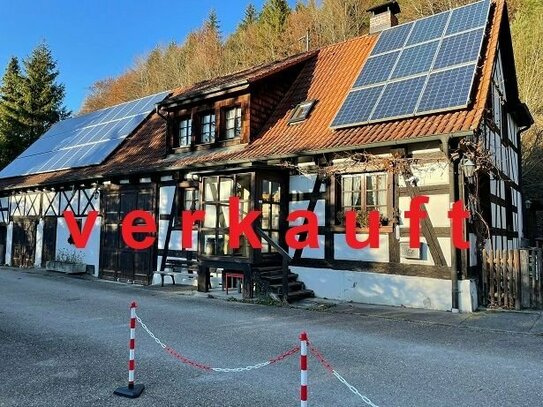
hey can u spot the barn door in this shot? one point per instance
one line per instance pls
(119, 261)
(49, 239)
(24, 242)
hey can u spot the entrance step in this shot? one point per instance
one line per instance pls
(273, 276)
(300, 295)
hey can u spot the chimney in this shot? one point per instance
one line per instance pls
(384, 16)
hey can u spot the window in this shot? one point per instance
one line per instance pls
(184, 132)
(363, 193)
(505, 124)
(191, 198)
(186, 200)
(301, 112)
(509, 209)
(215, 229)
(271, 209)
(233, 123)
(207, 128)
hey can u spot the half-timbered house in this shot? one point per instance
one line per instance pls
(429, 107)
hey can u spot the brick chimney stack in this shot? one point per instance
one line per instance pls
(384, 16)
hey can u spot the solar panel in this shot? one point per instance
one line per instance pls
(468, 17)
(447, 89)
(415, 65)
(84, 140)
(377, 69)
(460, 48)
(429, 28)
(392, 39)
(358, 106)
(399, 98)
(416, 59)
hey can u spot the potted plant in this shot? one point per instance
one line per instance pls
(362, 218)
(67, 261)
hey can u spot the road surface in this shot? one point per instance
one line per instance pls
(63, 342)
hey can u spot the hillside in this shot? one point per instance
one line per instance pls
(278, 31)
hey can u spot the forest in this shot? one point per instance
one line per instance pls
(275, 31)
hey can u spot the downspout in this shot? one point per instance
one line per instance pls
(453, 171)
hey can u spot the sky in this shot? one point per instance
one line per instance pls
(96, 39)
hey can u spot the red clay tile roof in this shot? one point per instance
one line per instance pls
(342, 63)
(327, 76)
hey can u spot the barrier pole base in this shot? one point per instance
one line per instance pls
(130, 393)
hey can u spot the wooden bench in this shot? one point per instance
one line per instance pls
(172, 264)
(167, 273)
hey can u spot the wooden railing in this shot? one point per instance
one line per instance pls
(511, 279)
(285, 256)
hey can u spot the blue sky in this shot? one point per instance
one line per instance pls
(95, 39)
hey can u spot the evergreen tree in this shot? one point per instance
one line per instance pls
(271, 26)
(250, 17)
(42, 95)
(12, 128)
(213, 24)
(274, 15)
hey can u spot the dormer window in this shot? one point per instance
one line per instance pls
(301, 112)
(233, 123)
(207, 128)
(184, 132)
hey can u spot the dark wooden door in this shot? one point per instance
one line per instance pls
(24, 242)
(119, 261)
(49, 239)
(3, 238)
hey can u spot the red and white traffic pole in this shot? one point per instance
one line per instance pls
(303, 369)
(133, 390)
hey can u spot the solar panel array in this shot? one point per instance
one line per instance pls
(419, 67)
(84, 140)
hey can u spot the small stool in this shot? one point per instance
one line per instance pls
(228, 275)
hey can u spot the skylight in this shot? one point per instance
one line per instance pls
(301, 112)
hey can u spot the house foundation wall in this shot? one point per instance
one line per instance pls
(387, 289)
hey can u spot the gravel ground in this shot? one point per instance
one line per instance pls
(63, 342)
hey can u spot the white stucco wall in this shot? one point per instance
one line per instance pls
(312, 253)
(387, 289)
(39, 244)
(91, 253)
(437, 207)
(320, 211)
(9, 240)
(342, 251)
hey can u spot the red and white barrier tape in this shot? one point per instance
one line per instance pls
(201, 366)
(304, 346)
(318, 355)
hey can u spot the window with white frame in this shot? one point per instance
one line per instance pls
(184, 132)
(207, 128)
(233, 123)
(191, 199)
(363, 193)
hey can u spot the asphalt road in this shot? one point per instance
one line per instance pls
(63, 342)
